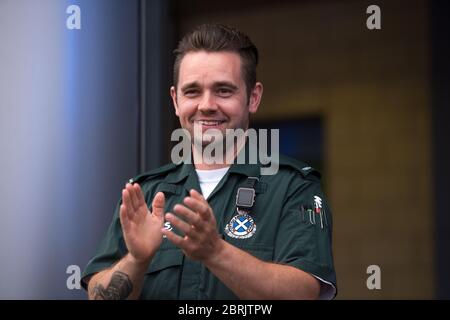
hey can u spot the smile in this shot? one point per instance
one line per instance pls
(210, 122)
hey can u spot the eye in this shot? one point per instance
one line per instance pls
(224, 92)
(191, 93)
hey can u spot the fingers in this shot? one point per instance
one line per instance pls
(133, 201)
(197, 195)
(133, 190)
(189, 215)
(126, 201)
(195, 219)
(123, 214)
(158, 204)
(187, 229)
(174, 238)
(139, 194)
(198, 204)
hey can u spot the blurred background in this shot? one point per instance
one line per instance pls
(84, 106)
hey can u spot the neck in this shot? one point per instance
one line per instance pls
(202, 160)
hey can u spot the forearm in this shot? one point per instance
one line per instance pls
(122, 281)
(251, 278)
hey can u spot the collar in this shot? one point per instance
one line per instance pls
(183, 171)
(248, 169)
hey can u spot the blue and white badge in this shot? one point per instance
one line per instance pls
(241, 226)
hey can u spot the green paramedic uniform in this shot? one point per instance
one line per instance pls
(291, 225)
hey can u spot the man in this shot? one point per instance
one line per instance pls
(214, 230)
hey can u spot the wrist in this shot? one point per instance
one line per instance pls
(216, 254)
(139, 262)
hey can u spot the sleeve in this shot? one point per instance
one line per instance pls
(304, 235)
(111, 249)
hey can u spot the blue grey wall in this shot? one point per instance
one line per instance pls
(69, 107)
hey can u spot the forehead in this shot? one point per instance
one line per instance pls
(205, 66)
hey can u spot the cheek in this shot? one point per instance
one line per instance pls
(234, 107)
(238, 111)
(186, 108)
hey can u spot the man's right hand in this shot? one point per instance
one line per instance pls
(141, 228)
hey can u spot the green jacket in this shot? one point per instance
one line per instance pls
(292, 226)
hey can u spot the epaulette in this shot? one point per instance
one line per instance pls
(305, 170)
(153, 173)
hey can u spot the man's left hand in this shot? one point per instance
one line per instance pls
(201, 240)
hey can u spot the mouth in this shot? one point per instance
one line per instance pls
(209, 123)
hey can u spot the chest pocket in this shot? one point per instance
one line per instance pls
(163, 274)
(169, 189)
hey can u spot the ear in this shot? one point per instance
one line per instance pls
(173, 94)
(255, 97)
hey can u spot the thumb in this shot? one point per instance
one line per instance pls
(158, 204)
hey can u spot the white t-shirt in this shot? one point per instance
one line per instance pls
(209, 179)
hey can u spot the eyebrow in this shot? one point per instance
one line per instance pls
(196, 85)
(191, 85)
(228, 84)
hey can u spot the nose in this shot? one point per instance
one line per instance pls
(208, 103)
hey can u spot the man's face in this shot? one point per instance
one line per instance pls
(211, 93)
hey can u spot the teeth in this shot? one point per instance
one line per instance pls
(210, 122)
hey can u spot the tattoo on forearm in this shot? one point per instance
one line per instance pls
(119, 288)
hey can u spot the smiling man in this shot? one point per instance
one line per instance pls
(214, 230)
(210, 96)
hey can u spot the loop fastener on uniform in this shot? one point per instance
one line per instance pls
(260, 187)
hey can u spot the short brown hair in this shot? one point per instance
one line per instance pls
(217, 37)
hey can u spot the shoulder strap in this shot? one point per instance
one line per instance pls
(153, 173)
